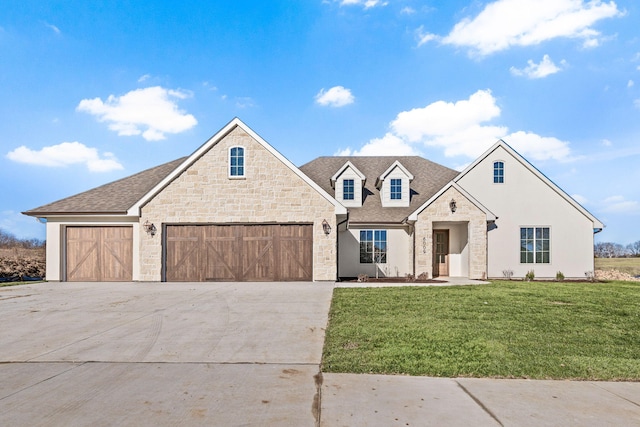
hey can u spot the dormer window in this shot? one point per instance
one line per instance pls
(498, 172)
(396, 189)
(348, 189)
(348, 182)
(394, 185)
(236, 162)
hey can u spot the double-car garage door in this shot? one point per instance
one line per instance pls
(196, 253)
(271, 252)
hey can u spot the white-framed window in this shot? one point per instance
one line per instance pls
(498, 172)
(236, 162)
(348, 189)
(396, 189)
(373, 246)
(534, 245)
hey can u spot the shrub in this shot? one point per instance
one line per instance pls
(589, 275)
(410, 277)
(530, 275)
(559, 276)
(423, 276)
(363, 278)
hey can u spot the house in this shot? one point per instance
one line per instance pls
(237, 210)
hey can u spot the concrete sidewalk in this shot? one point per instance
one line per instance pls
(383, 400)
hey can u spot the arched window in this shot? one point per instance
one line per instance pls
(498, 172)
(236, 162)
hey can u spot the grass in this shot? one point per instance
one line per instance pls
(502, 330)
(4, 284)
(625, 265)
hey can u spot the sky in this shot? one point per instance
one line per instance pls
(93, 91)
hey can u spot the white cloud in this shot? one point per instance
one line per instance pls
(461, 128)
(580, 199)
(506, 23)
(245, 102)
(545, 68)
(606, 143)
(337, 96)
(424, 37)
(618, 204)
(65, 154)
(630, 83)
(144, 78)
(388, 145)
(151, 112)
(53, 28)
(407, 10)
(536, 147)
(367, 4)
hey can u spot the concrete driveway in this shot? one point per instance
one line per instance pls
(161, 354)
(222, 354)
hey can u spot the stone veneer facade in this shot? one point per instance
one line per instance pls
(439, 212)
(269, 192)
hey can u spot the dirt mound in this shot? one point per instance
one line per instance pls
(22, 263)
(611, 274)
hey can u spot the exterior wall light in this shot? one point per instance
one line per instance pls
(326, 227)
(149, 228)
(452, 206)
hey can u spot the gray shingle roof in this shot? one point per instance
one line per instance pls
(429, 178)
(113, 198)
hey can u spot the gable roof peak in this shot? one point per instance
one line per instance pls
(394, 165)
(347, 165)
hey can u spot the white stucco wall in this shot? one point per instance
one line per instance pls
(525, 200)
(399, 254)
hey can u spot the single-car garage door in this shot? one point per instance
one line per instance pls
(96, 254)
(273, 252)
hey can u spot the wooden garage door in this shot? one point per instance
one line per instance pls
(96, 254)
(274, 252)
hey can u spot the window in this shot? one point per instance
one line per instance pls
(347, 189)
(236, 161)
(534, 245)
(498, 172)
(396, 189)
(373, 246)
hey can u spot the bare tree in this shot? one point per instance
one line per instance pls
(634, 248)
(610, 250)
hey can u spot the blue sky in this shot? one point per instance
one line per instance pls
(94, 91)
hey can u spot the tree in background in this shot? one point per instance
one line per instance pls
(616, 250)
(8, 240)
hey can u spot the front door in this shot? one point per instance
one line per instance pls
(440, 253)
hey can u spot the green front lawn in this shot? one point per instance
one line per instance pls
(504, 329)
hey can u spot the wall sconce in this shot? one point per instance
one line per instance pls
(452, 206)
(149, 228)
(326, 227)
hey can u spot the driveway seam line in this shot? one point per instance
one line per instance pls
(482, 405)
(616, 394)
(74, 366)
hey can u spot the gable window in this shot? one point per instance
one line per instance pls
(347, 189)
(236, 161)
(498, 172)
(396, 189)
(373, 246)
(534, 245)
